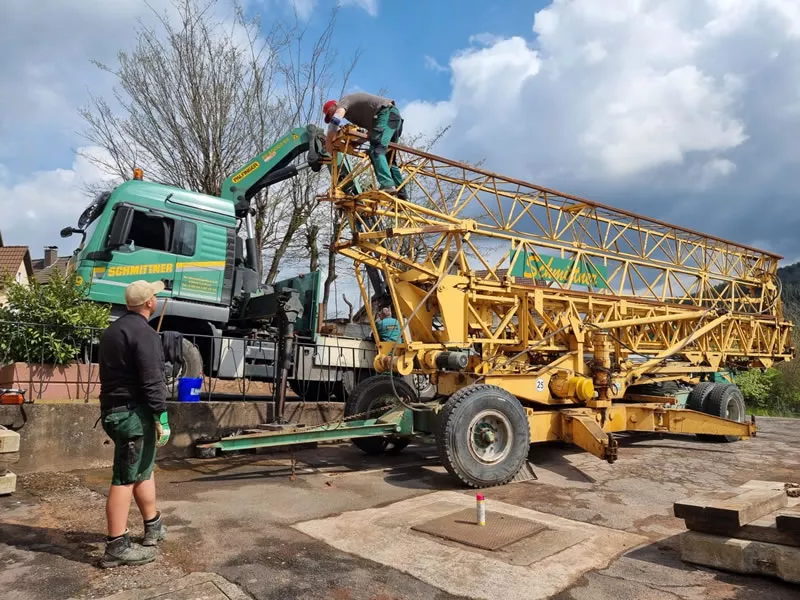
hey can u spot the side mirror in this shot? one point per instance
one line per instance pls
(120, 227)
(68, 231)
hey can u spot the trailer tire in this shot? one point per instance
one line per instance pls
(483, 435)
(697, 397)
(369, 394)
(724, 400)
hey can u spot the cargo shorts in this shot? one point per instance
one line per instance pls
(134, 435)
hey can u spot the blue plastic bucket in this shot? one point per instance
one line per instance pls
(189, 389)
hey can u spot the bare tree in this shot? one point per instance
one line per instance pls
(202, 92)
(309, 78)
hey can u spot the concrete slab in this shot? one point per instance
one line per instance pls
(384, 535)
(195, 586)
(8, 483)
(9, 440)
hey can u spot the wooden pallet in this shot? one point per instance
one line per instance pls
(751, 529)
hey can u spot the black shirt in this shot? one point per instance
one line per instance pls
(132, 365)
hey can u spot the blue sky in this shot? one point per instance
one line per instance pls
(428, 29)
(683, 110)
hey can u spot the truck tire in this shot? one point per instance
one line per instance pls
(724, 400)
(192, 360)
(192, 366)
(483, 435)
(697, 397)
(371, 394)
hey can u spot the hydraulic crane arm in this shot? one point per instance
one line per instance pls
(276, 164)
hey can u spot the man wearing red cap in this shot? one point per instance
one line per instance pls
(381, 118)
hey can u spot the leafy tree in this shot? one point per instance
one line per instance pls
(48, 324)
(757, 386)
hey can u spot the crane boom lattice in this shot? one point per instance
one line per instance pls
(532, 278)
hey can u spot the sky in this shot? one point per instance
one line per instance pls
(686, 111)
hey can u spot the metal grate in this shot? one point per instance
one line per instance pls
(500, 529)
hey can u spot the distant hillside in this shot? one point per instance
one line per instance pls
(790, 278)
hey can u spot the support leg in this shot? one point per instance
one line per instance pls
(583, 430)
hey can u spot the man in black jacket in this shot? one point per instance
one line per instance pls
(133, 410)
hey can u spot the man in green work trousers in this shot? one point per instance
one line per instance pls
(133, 410)
(381, 118)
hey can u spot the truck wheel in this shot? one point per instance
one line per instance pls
(697, 397)
(374, 396)
(724, 400)
(483, 435)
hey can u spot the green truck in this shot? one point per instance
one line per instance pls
(203, 248)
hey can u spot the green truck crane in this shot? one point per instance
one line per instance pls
(204, 250)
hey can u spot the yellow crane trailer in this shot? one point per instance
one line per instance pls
(539, 316)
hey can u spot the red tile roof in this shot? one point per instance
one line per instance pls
(42, 273)
(11, 257)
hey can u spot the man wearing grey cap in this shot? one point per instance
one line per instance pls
(133, 411)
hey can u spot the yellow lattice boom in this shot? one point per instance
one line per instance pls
(532, 276)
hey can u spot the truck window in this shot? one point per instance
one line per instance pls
(185, 238)
(151, 231)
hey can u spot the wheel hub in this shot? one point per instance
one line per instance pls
(490, 436)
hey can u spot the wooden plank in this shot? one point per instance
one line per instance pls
(730, 510)
(761, 530)
(760, 484)
(694, 507)
(788, 520)
(741, 556)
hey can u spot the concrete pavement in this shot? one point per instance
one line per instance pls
(238, 518)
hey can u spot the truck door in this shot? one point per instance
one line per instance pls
(201, 252)
(146, 253)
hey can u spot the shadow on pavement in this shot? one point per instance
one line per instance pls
(77, 546)
(666, 553)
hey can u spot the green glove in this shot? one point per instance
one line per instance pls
(162, 429)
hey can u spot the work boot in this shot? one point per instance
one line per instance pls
(121, 551)
(154, 531)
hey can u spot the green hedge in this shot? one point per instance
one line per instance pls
(48, 324)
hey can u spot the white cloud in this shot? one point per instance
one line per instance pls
(371, 6)
(679, 109)
(303, 8)
(484, 39)
(36, 209)
(433, 65)
(45, 70)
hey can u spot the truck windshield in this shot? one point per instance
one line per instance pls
(93, 210)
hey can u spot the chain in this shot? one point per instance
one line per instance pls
(341, 420)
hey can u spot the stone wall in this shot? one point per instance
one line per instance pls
(63, 436)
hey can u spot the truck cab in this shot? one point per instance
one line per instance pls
(144, 230)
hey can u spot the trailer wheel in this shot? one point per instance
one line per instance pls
(483, 435)
(697, 397)
(370, 396)
(724, 400)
